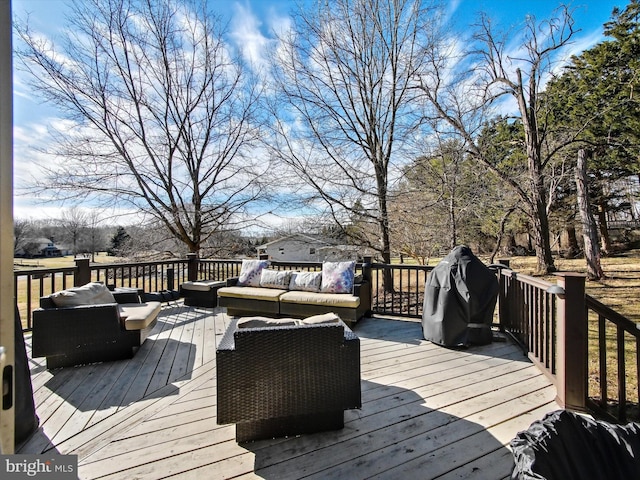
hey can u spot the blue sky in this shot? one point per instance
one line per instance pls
(250, 22)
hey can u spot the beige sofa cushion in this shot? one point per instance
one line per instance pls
(313, 298)
(256, 293)
(138, 316)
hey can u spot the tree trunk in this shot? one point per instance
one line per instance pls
(572, 242)
(605, 240)
(538, 204)
(384, 233)
(589, 228)
(500, 234)
(453, 234)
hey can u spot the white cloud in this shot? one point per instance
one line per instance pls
(246, 34)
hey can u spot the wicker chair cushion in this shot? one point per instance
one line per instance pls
(275, 278)
(324, 318)
(261, 322)
(337, 277)
(305, 281)
(138, 316)
(256, 293)
(90, 294)
(313, 298)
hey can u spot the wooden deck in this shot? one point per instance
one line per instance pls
(428, 412)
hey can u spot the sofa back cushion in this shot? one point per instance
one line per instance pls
(251, 271)
(275, 278)
(305, 281)
(337, 277)
(90, 294)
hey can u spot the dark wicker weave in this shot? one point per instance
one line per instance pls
(84, 334)
(287, 380)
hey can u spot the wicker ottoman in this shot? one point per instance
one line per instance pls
(201, 293)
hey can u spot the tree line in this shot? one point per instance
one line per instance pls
(369, 117)
(78, 232)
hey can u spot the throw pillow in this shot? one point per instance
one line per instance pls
(305, 281)
(90, 294)
(275, 278)
(337, 277)
(251, 271)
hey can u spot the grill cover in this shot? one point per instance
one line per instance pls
(459, 299)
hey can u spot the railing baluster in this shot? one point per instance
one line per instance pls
(602, 356)
(622, 375)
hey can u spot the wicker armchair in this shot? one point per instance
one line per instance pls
(287, 380)
(82, 334)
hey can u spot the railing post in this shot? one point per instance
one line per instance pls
(366, 275)
(366, 268)
(503, 304)
(192, 267)
(83, 272)
(572, 348)
(171, 281)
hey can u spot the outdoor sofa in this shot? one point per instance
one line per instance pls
(91, 324)
(260, 290)
(282, 377)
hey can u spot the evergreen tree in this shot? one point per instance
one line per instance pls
(119, 242)
(595, 107)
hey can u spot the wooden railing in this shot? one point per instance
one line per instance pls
(615, 390)
(587, 349)
(30, 285)
(403, 294)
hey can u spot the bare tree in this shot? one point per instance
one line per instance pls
(344, 72)
(161, 114)
(23, 230)
(74, 222)
(493, 74)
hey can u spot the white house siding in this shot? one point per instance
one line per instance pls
(292, 250)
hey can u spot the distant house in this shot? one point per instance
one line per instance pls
(307, 248)
(39, 247)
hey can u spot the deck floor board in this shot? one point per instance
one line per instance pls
(428, 412)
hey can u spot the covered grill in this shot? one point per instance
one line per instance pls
(459, 300)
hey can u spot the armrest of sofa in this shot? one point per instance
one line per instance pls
(363, 291)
